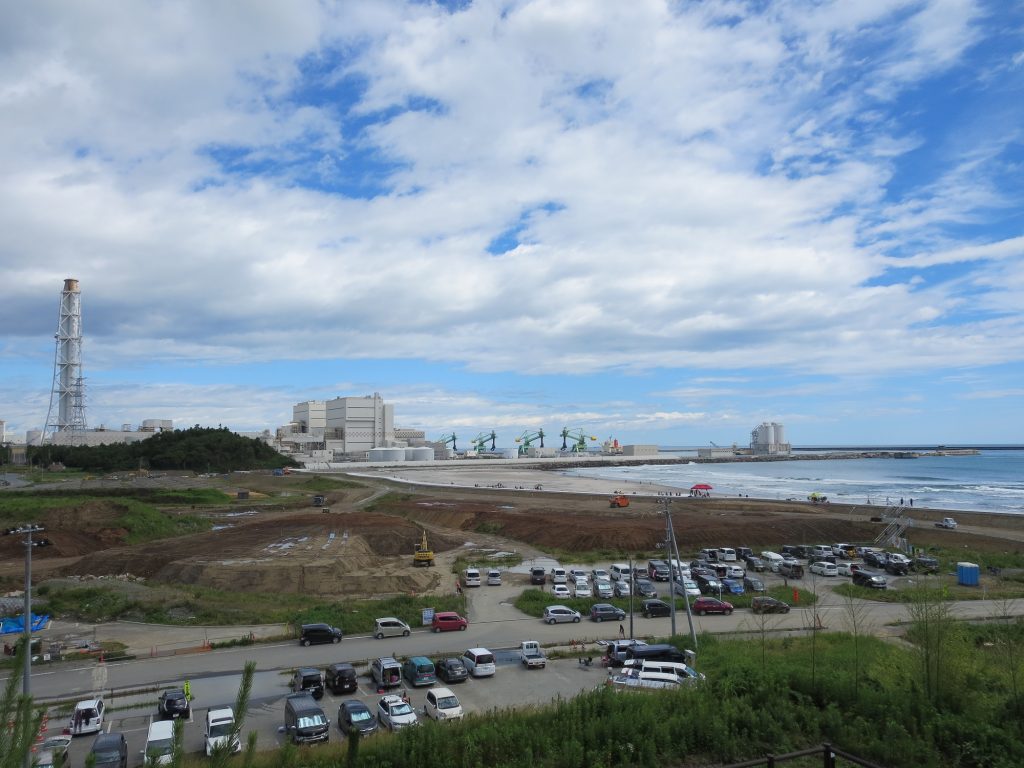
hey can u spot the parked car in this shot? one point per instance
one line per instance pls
(220, 731)
(847, 569)
(791, 569)
(606, 612)
(658, 570)
(600, 574)
(875, 558)
(494, 578)
(561, 590)
(897, 568)
(311, 634)
(173, 704)
(309, 680)
(558, 575)
(753, 584)
(559, 614)
(582, 589)
(57, 745)
(419, 670)
(733, 571)
(705, 605)
(869, 579)
(389, 626)
(754, 563)
(897, 557)
(442, 704)
(395, 712)
(654, 608)
(604, 589)
(109, 750)
(575, 574)
(765, 604)
(448, 621)
(479, 662)
(386, 672)
(923, 564)
(622, 588)
(742, 553)
(687, 587)
(353, 714)
(538, 575)
(709, 585)
(823, 568)
(732, 586)
(450, 670)
(644, 588)
(340, 678)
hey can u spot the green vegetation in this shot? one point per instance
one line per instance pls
(199, 449)
(941, 587)
(322, 484)
(193, 605)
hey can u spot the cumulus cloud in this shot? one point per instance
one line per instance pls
(673, 186)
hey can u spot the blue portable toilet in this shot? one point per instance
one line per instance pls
(967, 574)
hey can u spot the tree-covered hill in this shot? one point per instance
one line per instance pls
(200, 449)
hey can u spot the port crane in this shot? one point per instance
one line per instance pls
(449, 438)
(480, 442)
(579, 438)
(528, 437)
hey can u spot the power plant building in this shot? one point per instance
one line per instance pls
(769, 439)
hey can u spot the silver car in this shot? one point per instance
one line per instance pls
(389, 626)
(560, 614)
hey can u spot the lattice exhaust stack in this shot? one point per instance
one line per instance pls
(67, 396)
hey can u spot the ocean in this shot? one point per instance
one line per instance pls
(992, 481)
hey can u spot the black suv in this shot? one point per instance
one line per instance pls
(341, 678)
(451, 670)
(538, 575)
(869, 579)
(173, 703)
(653, 608)
(896, 569)
(319, 633)
(309, 680)
(110, 750)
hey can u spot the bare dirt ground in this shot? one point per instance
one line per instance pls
(275, 541)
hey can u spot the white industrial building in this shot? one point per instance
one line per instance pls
(345, 428)
(769, 439)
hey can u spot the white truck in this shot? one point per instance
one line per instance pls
(531, 655)
(947, 522)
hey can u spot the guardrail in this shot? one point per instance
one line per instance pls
(828, 754)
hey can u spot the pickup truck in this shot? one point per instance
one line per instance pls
(947, 522)
(531, 655)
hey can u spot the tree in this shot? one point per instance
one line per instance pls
(16, 711)
(224, 749)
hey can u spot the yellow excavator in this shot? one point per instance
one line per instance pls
(424, 555)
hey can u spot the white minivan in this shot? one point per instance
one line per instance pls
(494, 578)
(159, 743)
(472, 577)
(220, 724)
(727, 554)
(87, 717)
(620, 570)
(772, 561)
(479, 662)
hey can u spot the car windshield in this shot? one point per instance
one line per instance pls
(312, 720)
(159, 747)
(220, 729)
(447, 702)
(107, 756)
(360, 716)
(401, 709)
(311, 679)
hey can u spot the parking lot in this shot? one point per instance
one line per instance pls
(512, 685)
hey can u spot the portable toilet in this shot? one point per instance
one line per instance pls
(967, 574)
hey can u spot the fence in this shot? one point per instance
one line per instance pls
(827, 752)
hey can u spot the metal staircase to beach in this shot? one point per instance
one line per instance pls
(898, 523)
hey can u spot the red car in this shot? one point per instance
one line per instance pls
(447, 621)
(704, 605)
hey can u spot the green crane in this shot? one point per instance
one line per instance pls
(449, 438)
(480, 443)
(528, 437)
(579, 438)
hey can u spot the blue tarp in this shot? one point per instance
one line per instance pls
(16, 625)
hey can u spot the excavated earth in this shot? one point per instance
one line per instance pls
(364, 545)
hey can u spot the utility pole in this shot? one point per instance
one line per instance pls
(673, 547)
(26, 684)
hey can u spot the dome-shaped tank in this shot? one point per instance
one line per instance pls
(419, 454)
(393, 454)
(376, 454)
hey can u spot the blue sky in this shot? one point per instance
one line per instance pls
(659, 221)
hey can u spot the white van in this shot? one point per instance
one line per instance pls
(479, 662)
(772, 561)
(472, 577)
(87, 717)
(726, 555)
(820, 551)
(620, 570)
(159, 743)
(559, 576)
(219, 726)
(494, 578)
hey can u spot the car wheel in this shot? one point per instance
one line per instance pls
(406, 633)
(598, 619)
(436, 630)
(647, 615)
(379, 636)
(462, 628)
(337, 639)
(729, 612)
(306, 642)
(551, 621)
(786, 609)
(701, 612)
(576, 620)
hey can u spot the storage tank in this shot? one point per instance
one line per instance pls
(780, 434)
(967, 574)
(419, 454)
(510, 453)
(393, 454)
(376, 454)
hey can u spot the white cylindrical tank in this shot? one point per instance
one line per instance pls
(780, 434)
(33, 436)
(376, 454)
(393, 454)
(419, 454)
